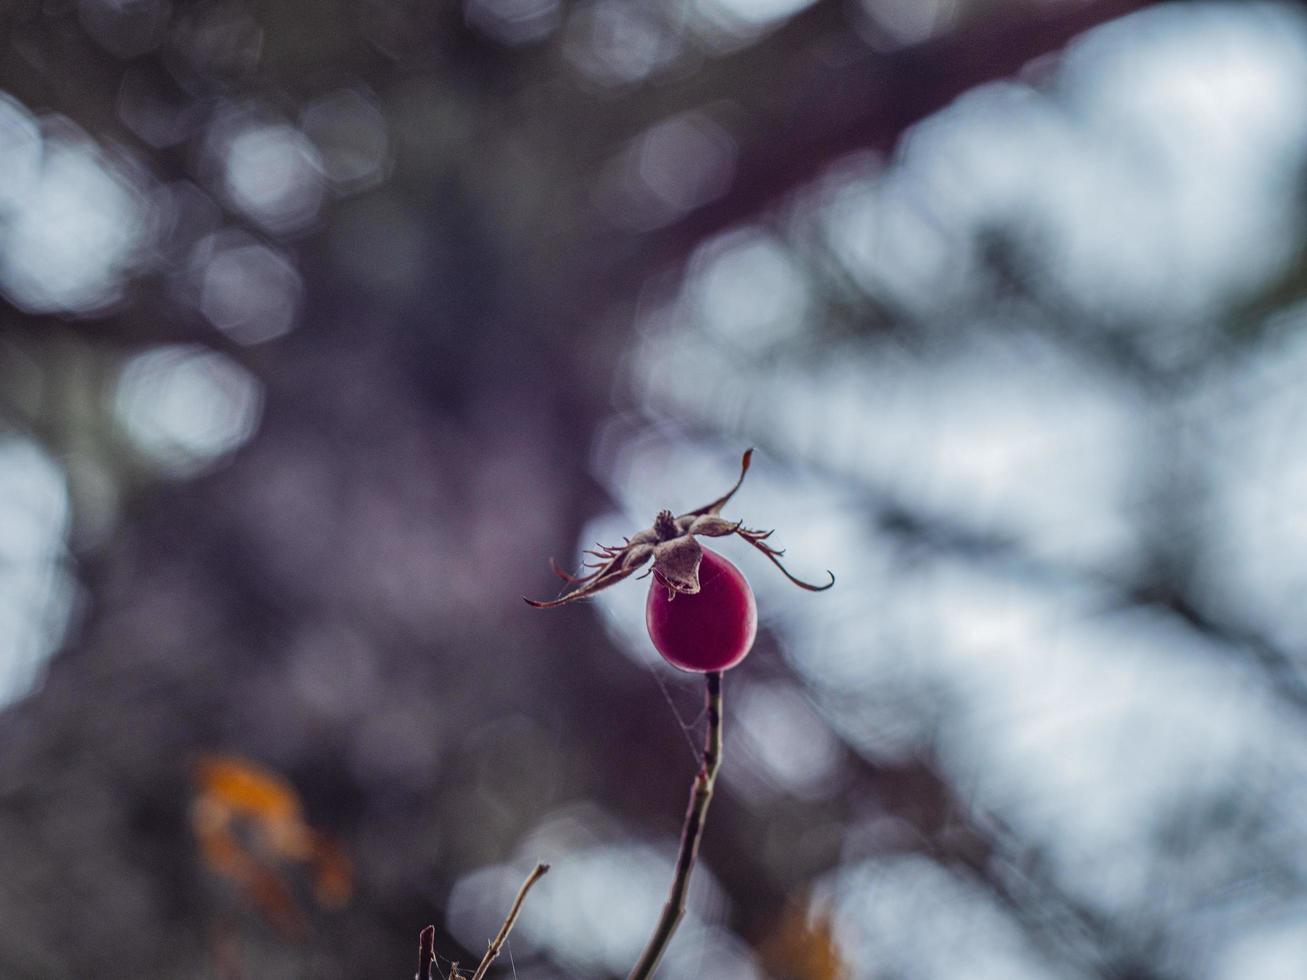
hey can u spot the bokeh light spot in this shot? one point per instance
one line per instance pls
(349, 132)
(20, 152)
(36, 588)
(675, 166)
(514, 22)
(783, 739)
(904, 22)
(728, 23)
(615, 43)
(76, 233)
(248, 290)
(750, 292)
(270, 172)
(185, 407)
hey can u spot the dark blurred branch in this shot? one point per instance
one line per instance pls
(498, 942)
(1064, 927)
(1283, 672)
(691, 834)
(821, 98)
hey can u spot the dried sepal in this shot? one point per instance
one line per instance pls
(712, 526)
(716, 506)
(670, 541)
(676, 562)
(758, 540)
(625, 561)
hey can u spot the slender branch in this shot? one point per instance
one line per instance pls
(426, 952)
(691, 833)
(497, 943)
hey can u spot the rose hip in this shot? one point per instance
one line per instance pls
(712, 629)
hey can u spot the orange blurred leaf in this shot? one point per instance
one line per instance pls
(244, 786)
(250, 827)
(804, 946)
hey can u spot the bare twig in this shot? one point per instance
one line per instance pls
(691, 833)
(426, 952)
(498, 942)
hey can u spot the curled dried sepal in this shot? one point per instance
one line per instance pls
(756, 538)
(675, 552)
(623, 562)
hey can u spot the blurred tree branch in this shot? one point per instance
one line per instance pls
(808, 96)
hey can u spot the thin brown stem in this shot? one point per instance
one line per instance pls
(498, 942)
(426, 952)
(691, 833)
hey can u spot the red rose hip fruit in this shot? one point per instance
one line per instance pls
(710, 630)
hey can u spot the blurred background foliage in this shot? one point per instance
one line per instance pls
(323, 324)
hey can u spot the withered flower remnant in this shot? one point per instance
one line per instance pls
(676, 555)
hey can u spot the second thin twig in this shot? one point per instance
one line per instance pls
(498, 942)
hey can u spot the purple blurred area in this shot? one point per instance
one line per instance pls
(324, 325)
